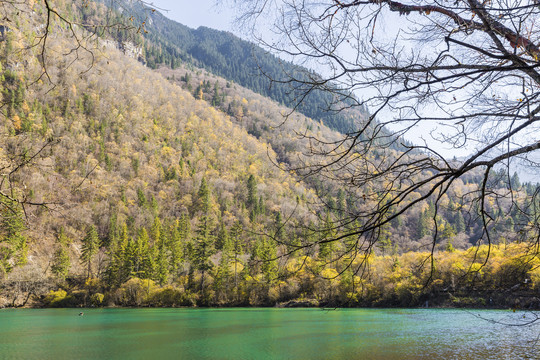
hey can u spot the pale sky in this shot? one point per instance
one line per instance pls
(197, 13)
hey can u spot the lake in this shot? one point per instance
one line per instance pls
(266, 334)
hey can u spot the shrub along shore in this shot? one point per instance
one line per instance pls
(457, 278)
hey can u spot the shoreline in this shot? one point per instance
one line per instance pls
(277, 306)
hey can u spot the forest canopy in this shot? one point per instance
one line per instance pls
(124, 184)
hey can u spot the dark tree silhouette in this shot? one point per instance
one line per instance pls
(465, 69)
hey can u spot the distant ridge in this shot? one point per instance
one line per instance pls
(224, 54)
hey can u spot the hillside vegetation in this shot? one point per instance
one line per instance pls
(166, 187)
(166, 42)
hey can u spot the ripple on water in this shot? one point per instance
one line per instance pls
(265, 334)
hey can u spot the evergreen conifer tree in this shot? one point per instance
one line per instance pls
(90, 248)
(327, 232)
(237, 250)
(61, 262)
(117, 254)
(460, 222)
(204, 242)
(223, 273)
(13, 247)
(175, 249)
(252, 192)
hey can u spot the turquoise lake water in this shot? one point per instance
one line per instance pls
(266, 334)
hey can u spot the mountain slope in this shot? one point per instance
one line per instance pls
(154, 196)
(131, 149)
(228, 56)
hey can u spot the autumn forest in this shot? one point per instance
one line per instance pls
(149, 165)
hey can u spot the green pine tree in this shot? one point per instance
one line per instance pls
(327, 232)
(174, 246)
(116, 271)
(13, 247)
(145, 266)
(222, 236)
(141, 198)
(204, 242)
(237, 251)
(279, 228)
(161, 258)
(269, 265)
(61, 262)
(90, 248)
(222, 281)
(341, 204)
(252, 192)
(460, 223)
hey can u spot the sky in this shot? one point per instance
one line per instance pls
(197, 13)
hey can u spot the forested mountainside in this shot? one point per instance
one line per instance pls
(162, 188)
(222, 53)
(460, 225)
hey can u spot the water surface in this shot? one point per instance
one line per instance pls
(265, 334)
